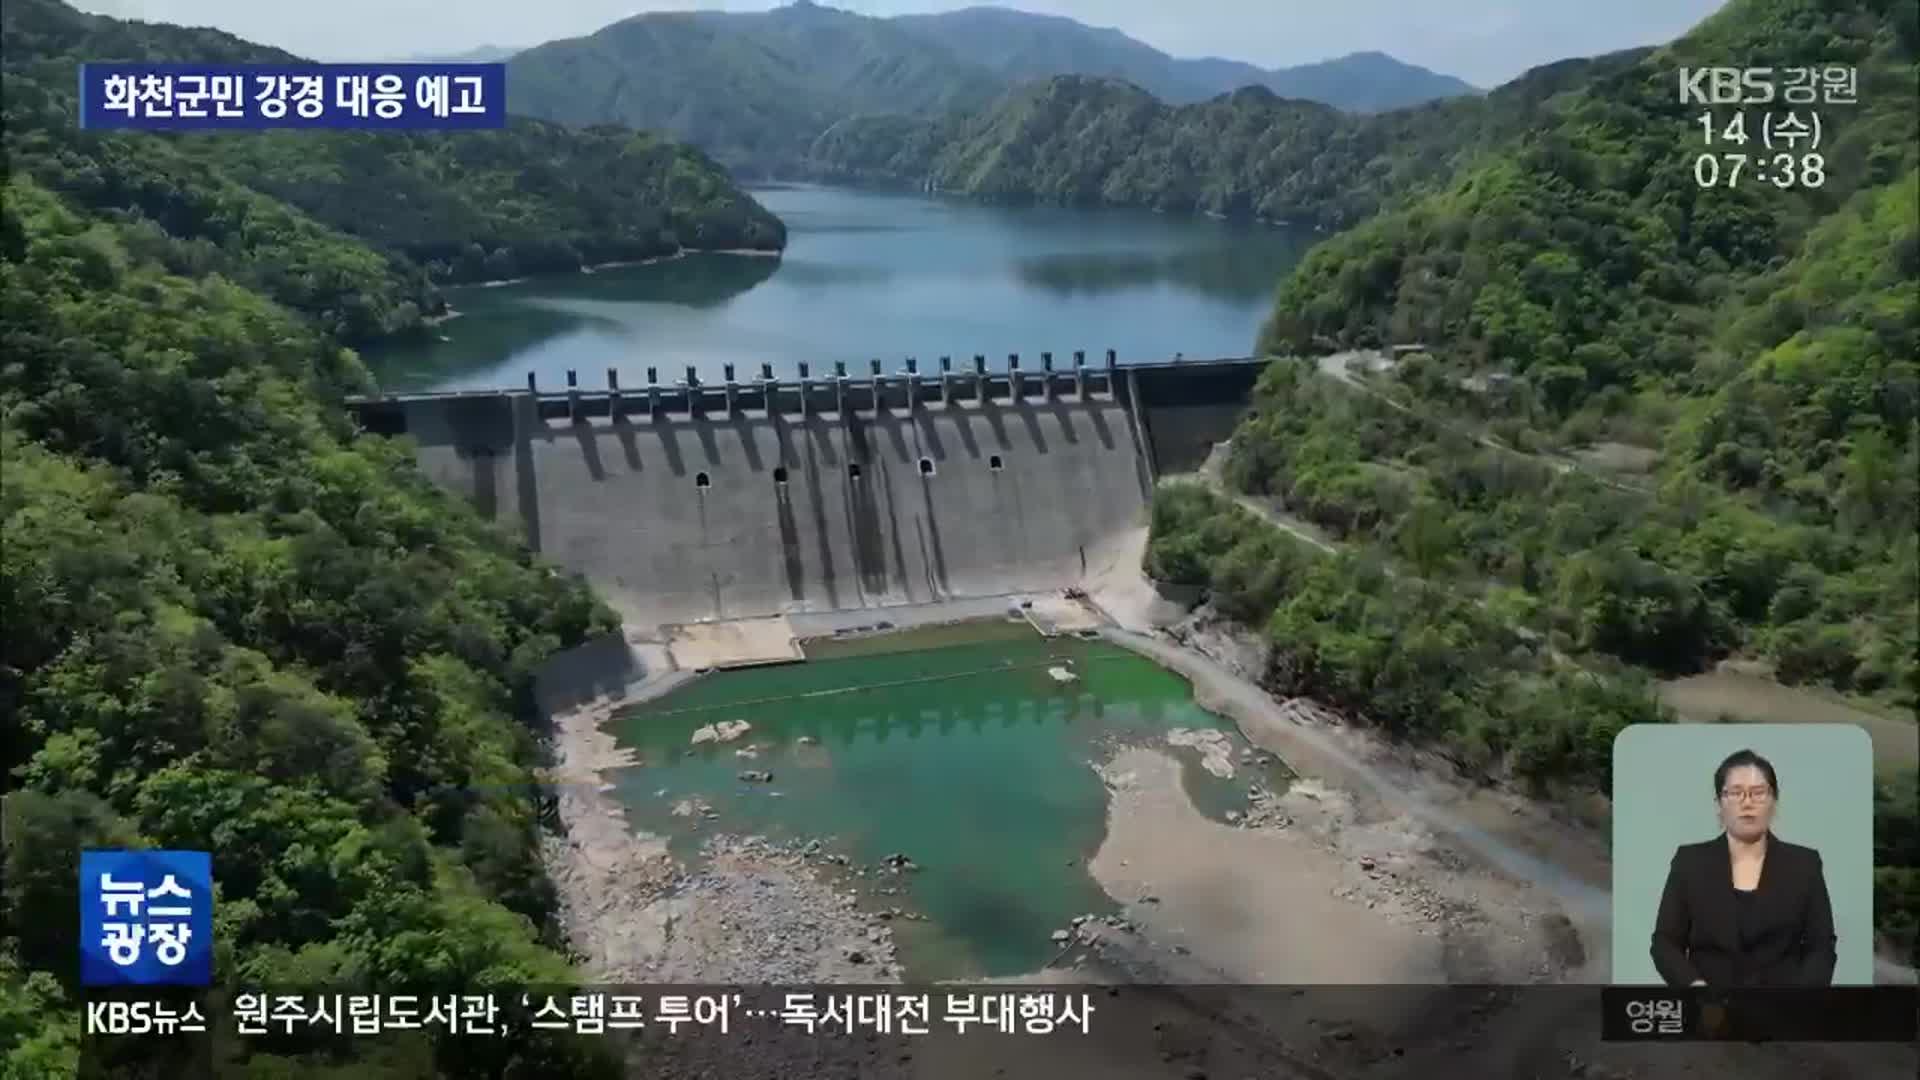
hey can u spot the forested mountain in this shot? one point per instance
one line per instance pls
(1364, 82)
(1765, 340)
(1581, 294)
(230, 624)
(752, 89)
(1021, 46)
(289, 213)
(755, 89)
(1251, 153)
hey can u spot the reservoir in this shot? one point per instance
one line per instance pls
(873, 276)
(955, 746)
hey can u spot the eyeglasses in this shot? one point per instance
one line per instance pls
(1753, 794)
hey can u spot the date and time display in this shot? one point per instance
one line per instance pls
(1763, 126)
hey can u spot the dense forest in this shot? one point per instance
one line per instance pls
(232, 625)
(1249, 154)
(287, 213)
(1581, 297)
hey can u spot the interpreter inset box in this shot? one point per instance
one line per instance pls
(1742, 853)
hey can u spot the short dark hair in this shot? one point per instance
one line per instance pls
(1740, 758)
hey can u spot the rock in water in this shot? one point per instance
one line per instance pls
(724, 731)
(757, 776)
(1216, 750)
(1062, 675)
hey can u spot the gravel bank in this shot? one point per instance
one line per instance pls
(1476, 857)
(757, 912)
(1253, 905)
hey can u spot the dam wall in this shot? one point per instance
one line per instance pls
(689, 503)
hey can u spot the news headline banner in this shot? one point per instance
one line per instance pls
(199, 97)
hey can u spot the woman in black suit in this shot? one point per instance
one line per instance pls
(1745, 908)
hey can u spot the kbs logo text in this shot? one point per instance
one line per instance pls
(142, 1018)
(1829, 85)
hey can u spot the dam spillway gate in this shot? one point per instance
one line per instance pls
(688, 502)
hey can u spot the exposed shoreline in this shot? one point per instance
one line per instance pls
(882, 183)
(1398, 861)
(1334, 881)
(589, 268)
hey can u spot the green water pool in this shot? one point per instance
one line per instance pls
(953, 745)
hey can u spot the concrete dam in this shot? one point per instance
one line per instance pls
(689, 502)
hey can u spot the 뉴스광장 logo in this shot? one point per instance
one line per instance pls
(146, 918)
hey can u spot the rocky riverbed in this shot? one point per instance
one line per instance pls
(751, 912)
(760, 912)
(1310, 883)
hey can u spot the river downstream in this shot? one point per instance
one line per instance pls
(968, 749)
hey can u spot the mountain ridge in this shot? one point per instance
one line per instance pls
(1340, 81)
(1250, 153)
(748, 88)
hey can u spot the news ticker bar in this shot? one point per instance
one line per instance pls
(200, 97)
(1813, 1014)
(1836, 1014)
(721, 1010)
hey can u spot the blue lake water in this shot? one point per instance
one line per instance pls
(874, 276)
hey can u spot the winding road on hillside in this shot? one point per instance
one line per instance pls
(1339, 366)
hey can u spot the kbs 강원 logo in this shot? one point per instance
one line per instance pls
(146, 918)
